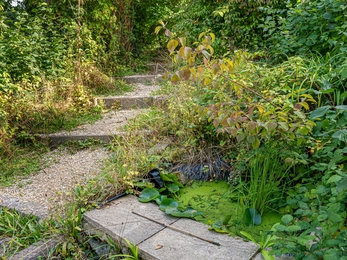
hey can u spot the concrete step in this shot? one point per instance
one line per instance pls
(105, 129)
(130, 219)
(24, 206)
(39, 250)
(144, 79)
(54, 140)
(128, 102)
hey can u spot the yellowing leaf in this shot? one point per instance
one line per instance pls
(181, 52)
(256, 143)
(284, 126)
(161, 22)
(215, 68)
(260, 109)
(183, 41)
(305, 105)
(157, 29)
(213, 37)
(187, 52)
(207, 81)
(300, 114)
(175, 78)
(186, 74)
(240, 137)
(171, 45)
(201, 35)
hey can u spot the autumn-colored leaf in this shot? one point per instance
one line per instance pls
(186, 74)
(284, 126)
(175, 79)
(168, 33)
(216, 122)
(207, 81)
(213, 37)
(171, 45)
(240, 137)
(157, 29)
(201, 35)
(256, 143)
(215, 68)
(183, 41)
(187, 52)
(181, 53)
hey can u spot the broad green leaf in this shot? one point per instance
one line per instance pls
(323, 215)
(342, 184)
(342, 107)
(293, 228)
(170, 177)
(335, 217)
(319, 112)
(148, 194)
(340, 135)
(332, 254)
(168, 202)
(173, 187)
(267, 255)
(252, 217)
(248, 236)
(218, 227)
(160, 198)
(335, 178)
(188, 213)
(286, 219)
(226, 219)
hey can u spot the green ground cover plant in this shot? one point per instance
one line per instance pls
(288, 97)
(20, 230)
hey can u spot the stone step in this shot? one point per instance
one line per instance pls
(39, 250)
(54, 140)
(24, 206)
(128, 102)
(144, 79)
(173, 238)
(105, 129)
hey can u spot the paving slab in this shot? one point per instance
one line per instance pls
(117, 220)
(138, 222)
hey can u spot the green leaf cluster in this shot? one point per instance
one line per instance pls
(163, 197)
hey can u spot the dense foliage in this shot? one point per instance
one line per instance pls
(54, 54)
(263, 80)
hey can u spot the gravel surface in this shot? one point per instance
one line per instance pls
(142, 90)
(108, 125)
(43, 191)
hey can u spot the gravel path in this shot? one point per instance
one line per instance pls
(43, 191)
(40, 193)
(106, 125)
